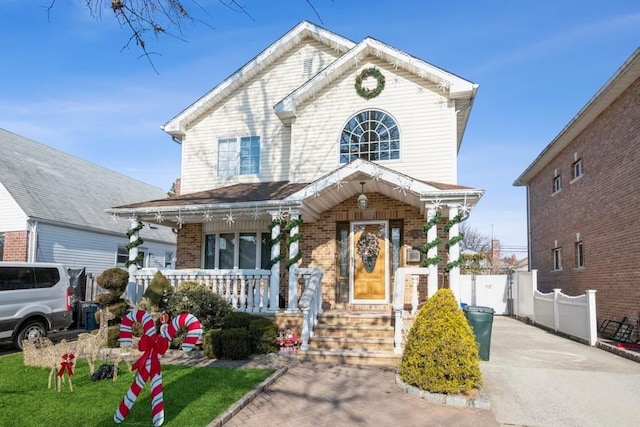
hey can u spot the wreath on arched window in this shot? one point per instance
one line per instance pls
(369, 93)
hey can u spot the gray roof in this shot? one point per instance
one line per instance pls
(56, 187)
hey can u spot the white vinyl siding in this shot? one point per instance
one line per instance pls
(250, 112)
(13, 217)
(77, 248)
(427, 124)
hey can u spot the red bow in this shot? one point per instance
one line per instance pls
(67, 364)
(152, 346)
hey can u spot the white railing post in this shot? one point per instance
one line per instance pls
(414, 293)
(454, 254)
(292, 302)
(311, 305)
(556, 309)
(432, 234)
(274, 281)
(591, 312)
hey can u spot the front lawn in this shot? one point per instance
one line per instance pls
(193, 396)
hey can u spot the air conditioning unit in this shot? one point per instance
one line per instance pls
(412, 256)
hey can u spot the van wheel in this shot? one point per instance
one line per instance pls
(30, 330)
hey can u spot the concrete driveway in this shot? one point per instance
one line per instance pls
(535, 378)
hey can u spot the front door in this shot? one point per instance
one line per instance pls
(369, 262)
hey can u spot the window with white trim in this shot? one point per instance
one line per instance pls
(557, 258)
(370, 135)
(579, 255)
(238, 158)
(576, 169)
(557, 184)
(122, 256)
(245, 250)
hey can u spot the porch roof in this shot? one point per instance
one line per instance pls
(309, 199)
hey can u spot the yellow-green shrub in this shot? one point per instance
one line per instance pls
(441, 354)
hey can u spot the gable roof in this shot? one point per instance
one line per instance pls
(451, 85)
(55, 187)
(176, 126)
(311, 199)
(628, 73)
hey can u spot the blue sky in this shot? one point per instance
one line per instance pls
(69, 82)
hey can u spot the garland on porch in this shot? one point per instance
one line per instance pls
(433, 222)
(285, 228)
(134, 244)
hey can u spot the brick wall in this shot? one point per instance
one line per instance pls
(16, 246)
(189, 246)
(601, 208)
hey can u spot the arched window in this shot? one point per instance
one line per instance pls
(370, 135)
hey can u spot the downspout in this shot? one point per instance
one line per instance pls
(33, 241)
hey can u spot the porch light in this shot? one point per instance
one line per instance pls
(363, 202)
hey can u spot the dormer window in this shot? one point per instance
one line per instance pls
(370, 135)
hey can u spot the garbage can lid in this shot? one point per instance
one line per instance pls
(479, 309)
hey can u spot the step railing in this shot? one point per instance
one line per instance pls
(398, 300)
(310, 302)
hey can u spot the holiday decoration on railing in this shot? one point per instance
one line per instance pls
(148, 365)
(433, 222)
(134, 244)
(285, 228)
(364, 74)
(368, 249)
(452, 241)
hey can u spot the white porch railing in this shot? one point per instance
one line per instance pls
(398, 299)
(246, 290)
(310, 302)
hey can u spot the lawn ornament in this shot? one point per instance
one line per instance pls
(153, 346)
(66, 367)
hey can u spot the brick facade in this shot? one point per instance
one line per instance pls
(600, 209)
(318, 244)
(16, 246)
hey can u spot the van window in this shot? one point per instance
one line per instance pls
(12, 278)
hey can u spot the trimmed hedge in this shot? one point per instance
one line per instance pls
(264, 336)
(441, 353)
(233, 344)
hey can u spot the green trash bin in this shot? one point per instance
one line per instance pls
(89, 310)
(481, 321)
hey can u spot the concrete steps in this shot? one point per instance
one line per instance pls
(353, 338)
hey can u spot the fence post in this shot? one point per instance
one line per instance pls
(591, 312)
(556, 310)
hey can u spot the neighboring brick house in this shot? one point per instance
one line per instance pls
(309, 130)
(52, 209)
(583, 197)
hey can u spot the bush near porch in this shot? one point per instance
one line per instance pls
(441, 353)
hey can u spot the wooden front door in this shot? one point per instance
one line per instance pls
(369, 262)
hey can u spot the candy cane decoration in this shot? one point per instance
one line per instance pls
(154, 346)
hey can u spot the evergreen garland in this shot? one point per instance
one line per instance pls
(435, 242)
(285, 228)
(134, 244)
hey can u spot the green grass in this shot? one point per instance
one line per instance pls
(192, 396)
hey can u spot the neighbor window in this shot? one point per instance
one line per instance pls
(122, 256)
(237, 250)
(557, 258)
(557, 184)
(370, 135)
(576, 169)
(238, 159)
(579, 255)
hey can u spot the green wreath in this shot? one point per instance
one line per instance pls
(369, 93)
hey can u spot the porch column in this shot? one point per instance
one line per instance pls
(454, 254)
(432, 234)
(274, 284)
(292, 304)
(131, 293)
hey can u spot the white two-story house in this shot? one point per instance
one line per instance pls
(321, 153)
